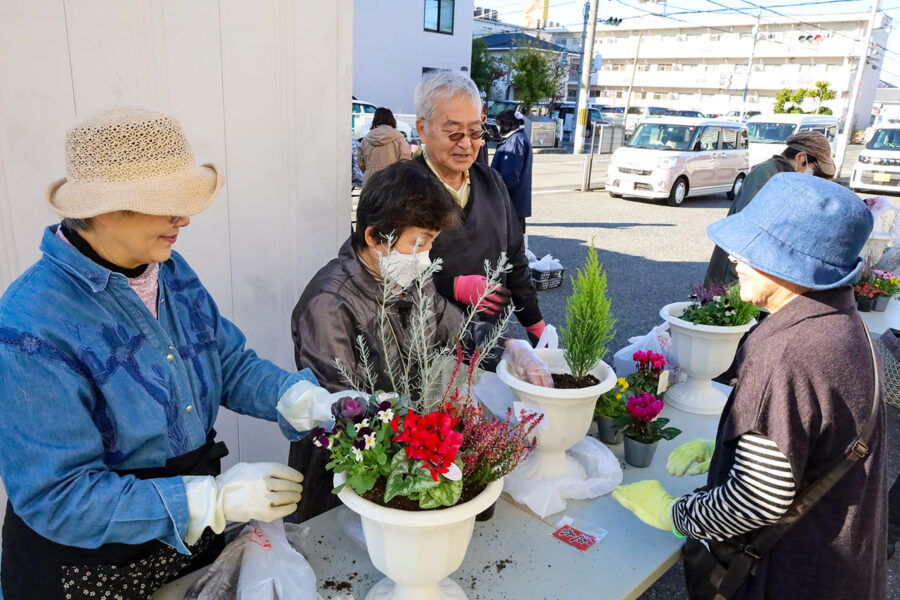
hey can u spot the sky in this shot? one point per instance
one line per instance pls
(569, 12)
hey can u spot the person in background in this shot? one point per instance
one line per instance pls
(806, 152)
(448, 119)
(513, 159)
(116, 360)
(356, 174)
(483, 150)
(806, 390)
(383, 145)
(341, 303)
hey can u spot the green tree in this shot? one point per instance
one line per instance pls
(789, 101)
(535, 74)
(821, 93)
(484, 70)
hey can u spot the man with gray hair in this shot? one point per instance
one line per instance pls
(448, 120)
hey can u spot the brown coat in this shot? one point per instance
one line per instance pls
(805, 381)
(381, 147)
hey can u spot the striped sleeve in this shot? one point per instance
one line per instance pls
(758, 492)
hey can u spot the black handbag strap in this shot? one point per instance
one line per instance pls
(764, 539)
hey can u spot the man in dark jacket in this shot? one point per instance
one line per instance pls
(805, 392)
(513, 160)
(806, 152)
(406, 205)
(448, 121)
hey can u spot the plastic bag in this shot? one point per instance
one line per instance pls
(548, 496)
(658, 340)
(259, 564)
(549, 339)
(547, 263)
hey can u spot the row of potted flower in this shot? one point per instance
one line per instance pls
(875, 289)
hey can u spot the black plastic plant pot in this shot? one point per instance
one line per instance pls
(487, 513)
(864, 304)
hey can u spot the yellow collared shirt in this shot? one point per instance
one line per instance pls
(462, 194)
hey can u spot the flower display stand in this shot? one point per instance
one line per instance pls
(568, 414)
(417, 550)
(702, 352)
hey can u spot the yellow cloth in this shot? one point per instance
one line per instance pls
(462, 194)
(692, 458)
(649, 501)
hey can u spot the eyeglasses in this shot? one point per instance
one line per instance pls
(455, 136)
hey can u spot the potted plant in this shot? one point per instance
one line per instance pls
(705, 336)
(866, 295)
(888, 283)
(649, 367)
(643, 429)
(610, 406)
(579, 374)
(415, 463)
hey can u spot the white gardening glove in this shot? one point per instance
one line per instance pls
(246, 491)
(525, 363)
(305, 405)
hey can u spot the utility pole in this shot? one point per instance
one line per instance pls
(750, 65)
(631, 84)
(584, 88)
(844, 139)
(587, 10)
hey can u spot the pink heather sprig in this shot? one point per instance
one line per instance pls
(644, 407)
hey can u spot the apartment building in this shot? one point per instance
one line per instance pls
(703, 64)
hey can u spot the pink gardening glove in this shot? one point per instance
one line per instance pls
(537, 330)
(469, 288)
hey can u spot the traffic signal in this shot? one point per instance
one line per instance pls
(615, 22)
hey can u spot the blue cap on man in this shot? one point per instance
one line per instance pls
(799, 228)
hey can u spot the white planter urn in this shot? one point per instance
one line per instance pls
(702, 352)
(567, 416)
(417, 550)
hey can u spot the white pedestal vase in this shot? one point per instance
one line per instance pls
(702, 352)
(417, 550)
(568, 414)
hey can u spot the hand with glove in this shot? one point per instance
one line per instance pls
(649, 501)
(246, 491)
(469, 289)
(305, 405)
(691, 458)
(526, 364)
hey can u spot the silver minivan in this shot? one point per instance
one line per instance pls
(677, 157)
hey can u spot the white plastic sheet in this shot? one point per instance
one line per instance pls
(549, 496)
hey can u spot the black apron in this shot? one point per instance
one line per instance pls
(33, 567)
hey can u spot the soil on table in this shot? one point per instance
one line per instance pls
(565, 381)
(376, 495)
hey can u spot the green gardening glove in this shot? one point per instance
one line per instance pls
(691, 458)
(649, 501)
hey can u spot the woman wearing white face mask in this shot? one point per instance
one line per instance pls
(407, 205)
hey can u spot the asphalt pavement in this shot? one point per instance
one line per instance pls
(651, 254)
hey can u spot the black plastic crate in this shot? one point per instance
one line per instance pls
(544, 275)
(547, 284)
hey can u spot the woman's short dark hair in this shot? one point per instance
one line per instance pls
(401, 196)
(507, 120)
(383, 116)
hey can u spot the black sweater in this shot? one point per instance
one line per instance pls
(489, 227)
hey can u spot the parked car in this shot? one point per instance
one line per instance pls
(696, 114)
(877, 168)
(362, 122)
(678, 157)
(768, 133)
(636, 114)
(735, 115)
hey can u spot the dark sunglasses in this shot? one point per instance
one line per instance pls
(458, 135)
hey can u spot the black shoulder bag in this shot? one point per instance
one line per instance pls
(706, 575)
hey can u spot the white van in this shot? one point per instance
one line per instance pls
(877, 168)
(769, 132)
(673, 158)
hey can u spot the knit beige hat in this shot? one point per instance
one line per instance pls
(132, 159)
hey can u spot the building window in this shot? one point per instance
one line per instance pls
(439, 16)
(657, 96)
(715, 37)
(664, 67)
(572, 95)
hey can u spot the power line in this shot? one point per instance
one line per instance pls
(775, 12)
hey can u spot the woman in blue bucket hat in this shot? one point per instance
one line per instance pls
(805, 394)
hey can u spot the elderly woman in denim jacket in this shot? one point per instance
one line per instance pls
(115, 361)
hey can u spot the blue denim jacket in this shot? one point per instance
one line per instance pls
(92, 383)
